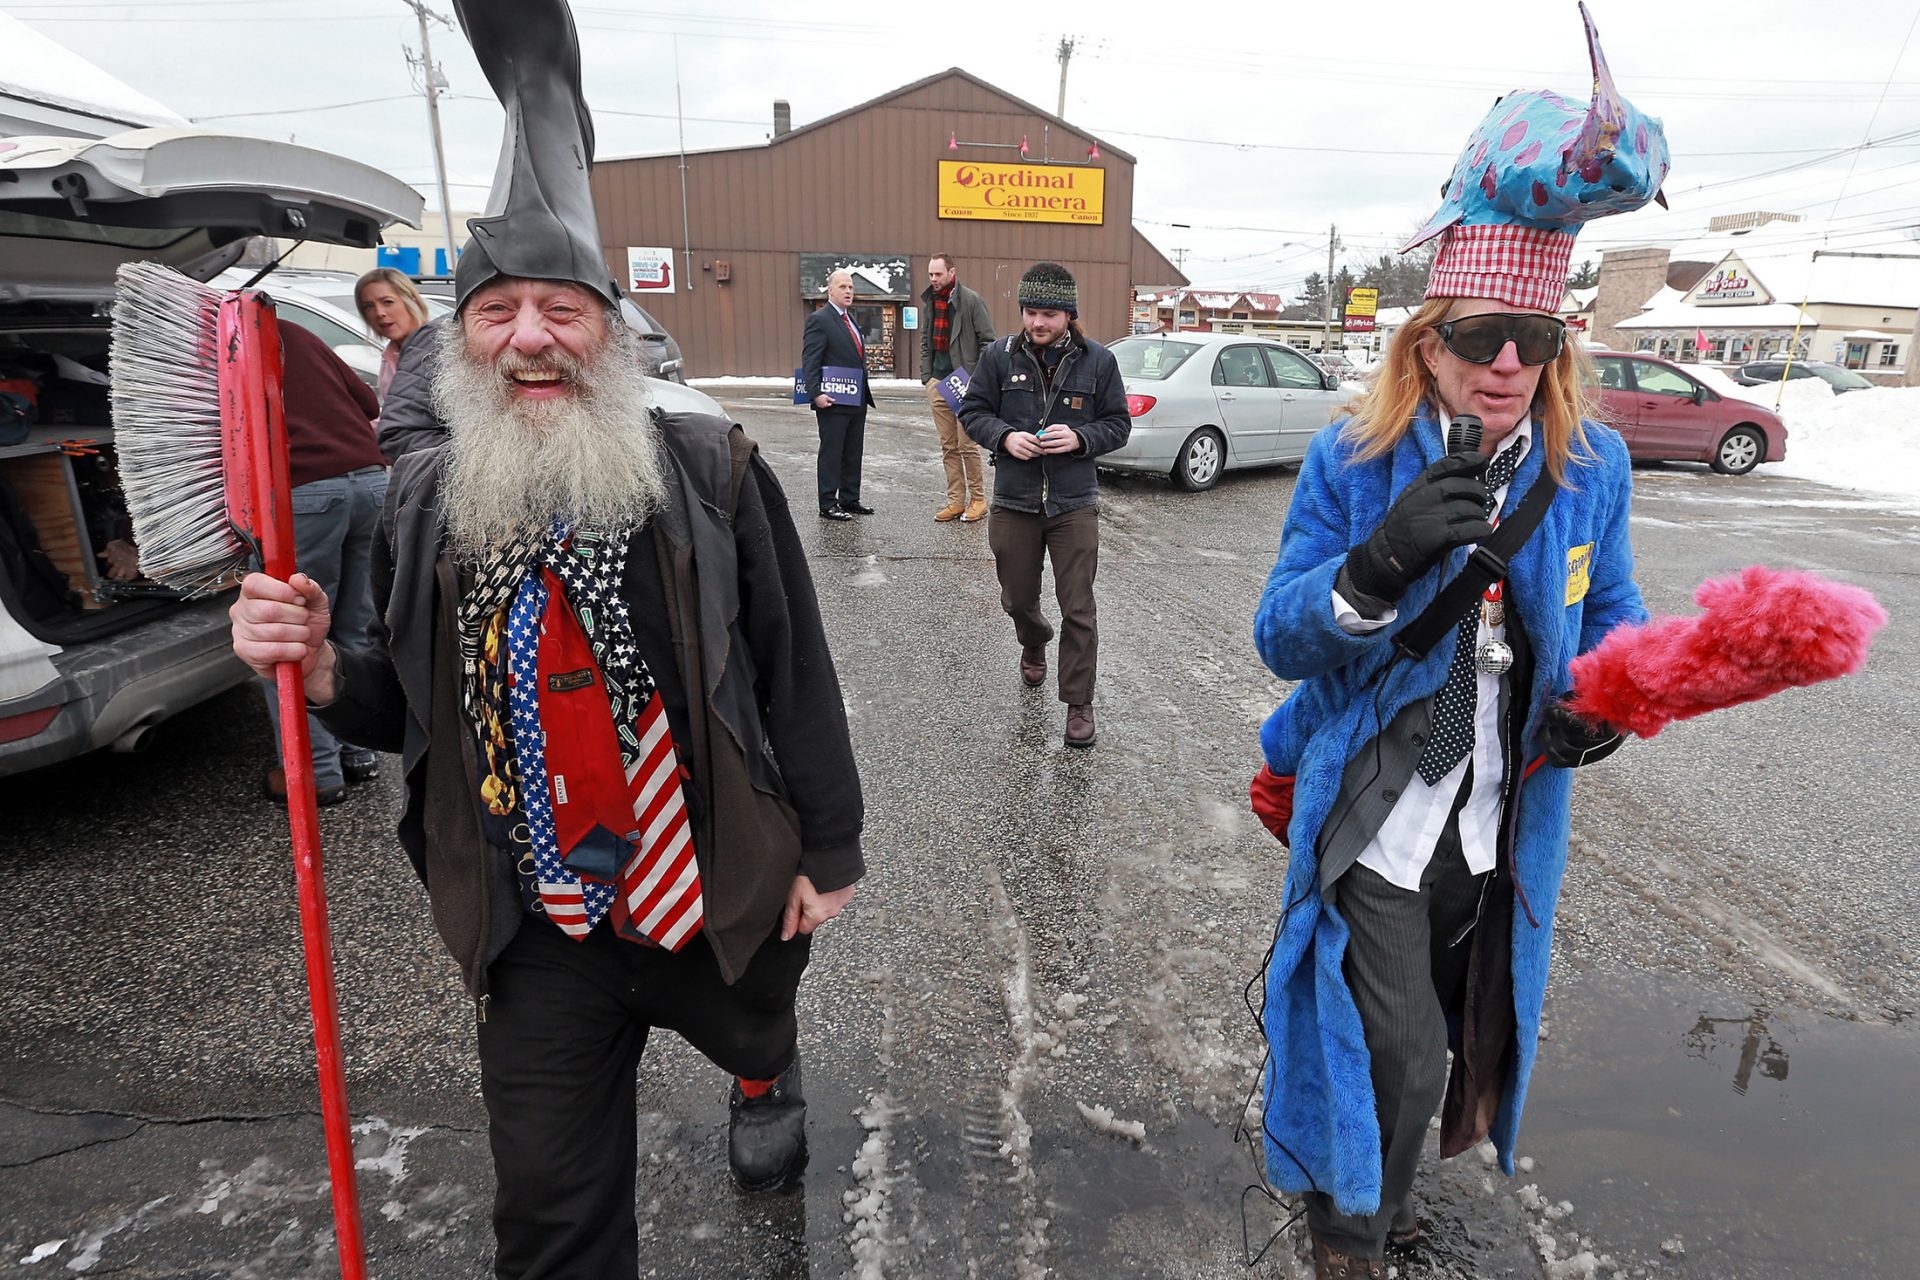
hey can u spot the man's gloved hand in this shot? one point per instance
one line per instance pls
(1569, 742)
(1445, 507)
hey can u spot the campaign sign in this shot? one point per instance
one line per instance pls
(953, 388)
(838, 384)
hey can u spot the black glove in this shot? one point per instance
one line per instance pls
(1445, 507)
(1569, 742)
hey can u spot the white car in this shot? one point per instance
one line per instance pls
(86, 662)
(1204, 403)
(321, 302)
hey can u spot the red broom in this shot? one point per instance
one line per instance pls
(202, 443)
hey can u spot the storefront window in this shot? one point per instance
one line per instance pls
(1889, 355)
(1645, 344)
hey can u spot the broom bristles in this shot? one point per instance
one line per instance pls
(164, 367)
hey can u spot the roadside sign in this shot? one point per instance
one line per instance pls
(1361, 306)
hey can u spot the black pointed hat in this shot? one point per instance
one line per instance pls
(539, 221)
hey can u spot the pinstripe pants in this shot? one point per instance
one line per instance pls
(1406, 965)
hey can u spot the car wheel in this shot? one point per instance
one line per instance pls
(1200, 461)
(1739, 452)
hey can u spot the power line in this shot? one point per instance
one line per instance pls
(297, 111)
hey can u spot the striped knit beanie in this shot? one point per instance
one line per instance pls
(1048, 286)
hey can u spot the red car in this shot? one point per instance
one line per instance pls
(1667, 415)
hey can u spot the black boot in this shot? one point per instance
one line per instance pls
(767, 1135)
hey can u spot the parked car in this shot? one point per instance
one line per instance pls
(1337, 364)
(1667, 415)
(1836, 376)
(85, 662)
(662, 352)
(1204, 403)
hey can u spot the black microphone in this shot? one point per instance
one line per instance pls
(1463, 434)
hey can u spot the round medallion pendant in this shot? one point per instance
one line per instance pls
(1494, 657)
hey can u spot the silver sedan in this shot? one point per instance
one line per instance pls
(1203, 403)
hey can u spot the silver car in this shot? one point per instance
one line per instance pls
(1203, 403)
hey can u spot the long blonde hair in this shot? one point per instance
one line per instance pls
(1386, 412)
(397, 281)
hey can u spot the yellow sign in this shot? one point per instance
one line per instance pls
(1579, 572)
(1362, 302)
(1023, 192)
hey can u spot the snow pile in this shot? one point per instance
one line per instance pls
(1101, 1120)
(867, 1212)
(1867, 441)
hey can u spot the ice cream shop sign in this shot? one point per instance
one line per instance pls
(1729, 282)
(1023, 192)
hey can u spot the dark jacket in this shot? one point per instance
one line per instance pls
(969, 332)
(1008, 393)
(826, 343)
(773, 790)
(407, 419)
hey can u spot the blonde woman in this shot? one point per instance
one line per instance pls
(394, 310)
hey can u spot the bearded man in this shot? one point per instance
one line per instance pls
(630, 790)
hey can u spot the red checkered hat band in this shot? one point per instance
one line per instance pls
(1520, 266)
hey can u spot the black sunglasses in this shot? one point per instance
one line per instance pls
(1479, 339)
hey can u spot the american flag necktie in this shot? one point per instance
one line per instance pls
(1454, 706)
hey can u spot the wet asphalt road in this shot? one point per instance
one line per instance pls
(1047, 957)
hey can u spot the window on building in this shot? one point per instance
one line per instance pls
(1889, 354)
(1644, 344)
(1241, 315)
(1189, 317)
(1665, 349)
(1716, 348)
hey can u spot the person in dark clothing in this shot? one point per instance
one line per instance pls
(1046, 402)
(339, 485)
(630, 786)
(832, 341)
(956, 329)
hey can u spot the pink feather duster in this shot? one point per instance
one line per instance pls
(1763, 630)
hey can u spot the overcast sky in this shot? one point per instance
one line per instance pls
(1256, 123)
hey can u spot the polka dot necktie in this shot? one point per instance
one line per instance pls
(1455, 704)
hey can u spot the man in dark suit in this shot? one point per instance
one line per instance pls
(831, 341)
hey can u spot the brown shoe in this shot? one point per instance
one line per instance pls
(976, 510)
(952, 511)
(1080, 724)
(1328, 1265)
(1033, 665)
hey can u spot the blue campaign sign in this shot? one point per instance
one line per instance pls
(953, 388)
(840, 385)
(909, 317)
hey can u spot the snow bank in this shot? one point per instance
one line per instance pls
(1866, 441)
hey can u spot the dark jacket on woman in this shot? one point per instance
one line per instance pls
(752, 699)
(407, 419)
(1011, 392)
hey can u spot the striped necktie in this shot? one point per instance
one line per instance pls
(1454, 706)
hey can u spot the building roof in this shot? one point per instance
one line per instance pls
(1222, 300)
(1797, 261)
(1690, 316)
(951, 73)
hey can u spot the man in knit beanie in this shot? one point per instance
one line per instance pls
(1045, 403)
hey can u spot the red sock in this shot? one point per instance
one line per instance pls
(756, 1088)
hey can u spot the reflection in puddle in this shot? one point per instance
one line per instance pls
(1632, 1120)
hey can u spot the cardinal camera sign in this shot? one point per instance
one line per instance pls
(649, 270)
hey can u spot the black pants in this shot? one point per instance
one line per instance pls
(1406, 965)
(558, 1056)
(843, 437)
(1071, 540)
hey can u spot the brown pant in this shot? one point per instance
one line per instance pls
(960, 455)
(1072, 541)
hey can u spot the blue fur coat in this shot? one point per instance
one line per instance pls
(1572, 582)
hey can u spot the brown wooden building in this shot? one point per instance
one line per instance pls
(877, 189)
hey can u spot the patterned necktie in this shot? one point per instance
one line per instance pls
(1459, 698)
(859, 347)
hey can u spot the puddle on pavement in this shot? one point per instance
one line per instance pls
(1765, 1142)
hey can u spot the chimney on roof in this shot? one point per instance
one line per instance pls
(782, 117)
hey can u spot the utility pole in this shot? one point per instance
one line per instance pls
(1180, 260)
(430, 74)
(1326, 331)
(1065, 55)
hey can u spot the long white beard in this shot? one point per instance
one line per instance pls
(592, 458)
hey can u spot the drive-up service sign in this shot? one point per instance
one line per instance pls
(1023, 192)
(649, 270)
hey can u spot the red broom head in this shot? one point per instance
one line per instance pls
(1763, 630)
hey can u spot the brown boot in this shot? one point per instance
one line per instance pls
(1033, 665)
(952, 511)
(1080, 724)
(976, 510)
(1328, 1265)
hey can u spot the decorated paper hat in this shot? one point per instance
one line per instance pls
(1048, 286)
(1537, 169)
(539, 221)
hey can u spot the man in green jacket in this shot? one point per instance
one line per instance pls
(954, 329)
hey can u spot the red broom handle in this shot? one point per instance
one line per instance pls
(273, 510)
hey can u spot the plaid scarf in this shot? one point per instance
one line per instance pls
(942, 318)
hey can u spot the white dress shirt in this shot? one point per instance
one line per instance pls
(1404, 844)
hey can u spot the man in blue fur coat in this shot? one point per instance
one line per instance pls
(1426, 855)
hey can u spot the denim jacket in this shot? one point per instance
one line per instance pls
(1006, 396)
